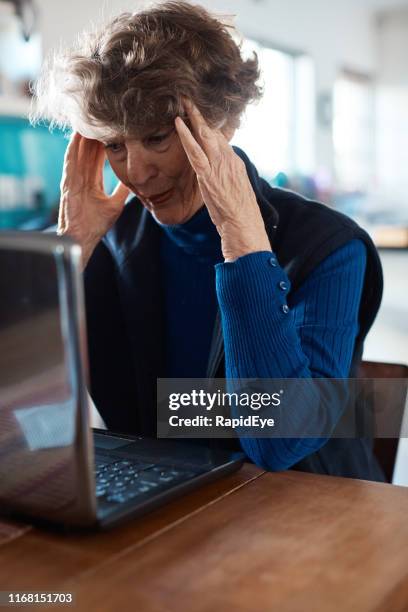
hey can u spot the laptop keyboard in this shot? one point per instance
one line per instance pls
(121, 480)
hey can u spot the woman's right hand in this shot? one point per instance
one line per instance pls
(86, 212)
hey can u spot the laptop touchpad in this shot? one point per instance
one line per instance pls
(109, 442)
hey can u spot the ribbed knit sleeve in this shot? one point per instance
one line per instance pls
(268, 334)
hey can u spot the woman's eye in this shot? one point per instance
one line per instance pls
(158, 138)
(114, 147)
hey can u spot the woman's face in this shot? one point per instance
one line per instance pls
(157, 170)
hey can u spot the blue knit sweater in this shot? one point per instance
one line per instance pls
(266, 334)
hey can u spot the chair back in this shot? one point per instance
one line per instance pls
(385, 449)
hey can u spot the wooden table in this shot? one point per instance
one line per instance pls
(251, 542)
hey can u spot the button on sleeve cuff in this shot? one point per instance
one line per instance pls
(253, 281)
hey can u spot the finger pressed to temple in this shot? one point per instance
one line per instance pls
(194, 152)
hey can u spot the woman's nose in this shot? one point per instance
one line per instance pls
(140, 167)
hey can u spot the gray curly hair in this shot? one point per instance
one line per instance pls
(131, 76)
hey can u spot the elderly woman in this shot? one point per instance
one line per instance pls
(207, 270)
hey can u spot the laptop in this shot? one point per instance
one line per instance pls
(54, 467)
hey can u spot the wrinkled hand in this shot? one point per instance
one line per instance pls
(86, 212)
(224, 186)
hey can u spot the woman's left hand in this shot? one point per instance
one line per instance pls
(224, 186)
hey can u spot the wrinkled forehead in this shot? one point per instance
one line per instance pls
(106, 134)
(103, 133)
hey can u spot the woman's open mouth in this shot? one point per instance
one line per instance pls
(160, 197)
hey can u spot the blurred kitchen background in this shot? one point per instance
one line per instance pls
(333, 123)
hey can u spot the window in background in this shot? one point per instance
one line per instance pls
(278, 132)
(392, 147)
(354, 132)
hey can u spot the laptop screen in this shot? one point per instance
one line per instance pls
(37, 396)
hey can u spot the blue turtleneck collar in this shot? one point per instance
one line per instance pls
(198, 236)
